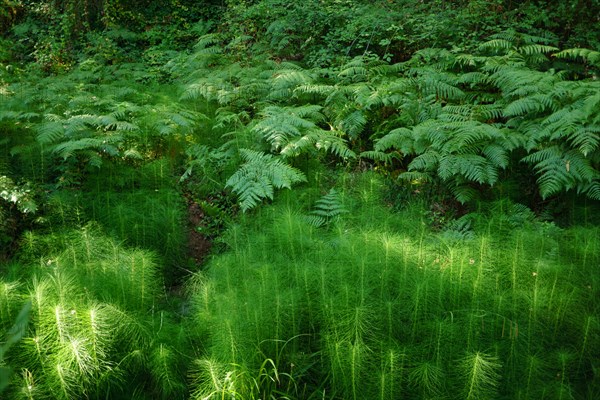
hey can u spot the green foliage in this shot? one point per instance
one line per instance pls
(482, 375)
(259, 175)
(326, 209)
(470, 136)
(140, 218)
(327, 32)
(12, 337)
(17, 207)
(17, 196)
(93, 323)
(319, 292)
(379, 305)
(293, 131)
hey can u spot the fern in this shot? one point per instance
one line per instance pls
(564, 140)
(529, 105)
(326, 209)
(284, 82)
(532, 48)
(560, 170)
(458, 152)
(327, 141)
(591, 56)
(294, 130)
(260, 174)
(51, 132)
(355, 70)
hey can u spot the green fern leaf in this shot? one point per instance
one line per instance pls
(353, 123)
(591, 56)
(328, 141)
(554, 170)
(497, 44)
(256, 179)
(209, 44)
(326, 209)
(528, 105)
(398, 139)
(380, 156)
(315, 89)
(427, 162)
(50, 132)
(354, 71)
(463, 193)
(532, 49)
(592, 190)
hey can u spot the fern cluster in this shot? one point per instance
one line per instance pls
(466, 120)
(79, 121)
(485, 112)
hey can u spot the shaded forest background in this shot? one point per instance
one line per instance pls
(56, 34)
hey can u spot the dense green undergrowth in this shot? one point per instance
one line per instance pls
(369, 303)
(387, 219)
(375, 305)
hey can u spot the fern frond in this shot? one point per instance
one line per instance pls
(104, 145)
(326, 209)
(329, 141)
(463, 193)
(532, 49)
(487, 112)
(352, 123)
(315, 89)
(442, 89)
(519, 82)
(398, 139)
(207, 90)
(50, 132)
(427, 162)
(209, 44)
(282, 124)
(523, 106)
(592, 190)
(591, 56)
(473, 79)
(497, 155)
(291, 78)
(259, 175)
(380, 156)
(497, 44)
(356, 73)
(315, 220)
(560, 170)
(322, 140)
(469, 133)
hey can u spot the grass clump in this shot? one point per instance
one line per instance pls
(375, 304)
(95, 324)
